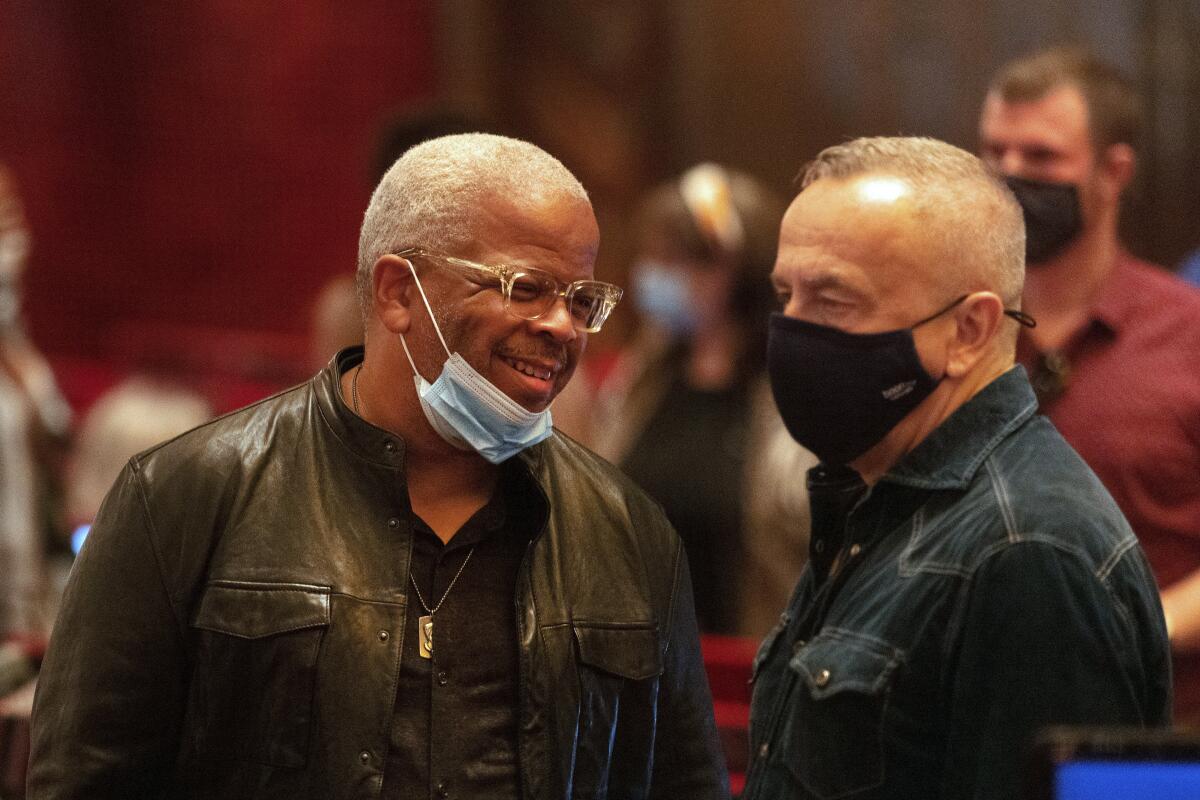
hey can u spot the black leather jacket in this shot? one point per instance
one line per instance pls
(222, 634)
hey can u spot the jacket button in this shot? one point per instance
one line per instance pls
(394, 523)
(389, 445)
(763, 749)
(384, 636)
(441, 790)
(819, 546)
(855, 549)
(364, 757)
(822, 678)
(442, 678)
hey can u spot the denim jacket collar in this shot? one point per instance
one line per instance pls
(950, 456)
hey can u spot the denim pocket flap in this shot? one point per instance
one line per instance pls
(842, 661)
(254, 610)
(631, 653)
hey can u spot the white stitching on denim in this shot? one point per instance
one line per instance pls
(1110, 563)
(986, 451)
(1001, 491)
(910, 565)
(841, 633)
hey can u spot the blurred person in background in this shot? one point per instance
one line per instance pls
(687, 411)
(133, 416)
(1115, 357)
(34, 424)
(336, 321)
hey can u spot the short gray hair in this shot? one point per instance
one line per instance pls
(977, 217)
(429, 196)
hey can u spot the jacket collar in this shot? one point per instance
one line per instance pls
(950, 456)
(373, 444)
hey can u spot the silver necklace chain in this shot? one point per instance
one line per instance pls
(471, 552)
(424, 605)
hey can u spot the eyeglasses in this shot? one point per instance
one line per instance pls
(530, 293)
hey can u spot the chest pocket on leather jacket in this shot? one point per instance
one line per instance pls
(618, 692)
(831, 735)
(251, 696)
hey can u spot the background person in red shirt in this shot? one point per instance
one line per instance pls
(1115, 357)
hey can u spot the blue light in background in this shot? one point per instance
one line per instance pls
(1097, 780)
(77, 537)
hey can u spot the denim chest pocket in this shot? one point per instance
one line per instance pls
(619, 670)
(768, 643)
(252, 689)
(831, 737)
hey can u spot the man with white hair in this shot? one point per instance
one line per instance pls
(395, 580)
(970, 579)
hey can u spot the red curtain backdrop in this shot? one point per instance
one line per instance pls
(198, 166)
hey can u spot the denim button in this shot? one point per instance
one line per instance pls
(389, 445)
(384, 636)
(364, 757)
(798, 646)
(394, 523)
(822, 679)
(763, 749)
(855, 549)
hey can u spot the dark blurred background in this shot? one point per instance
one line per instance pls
(194, 172)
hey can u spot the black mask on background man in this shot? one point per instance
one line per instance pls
(1052, 216)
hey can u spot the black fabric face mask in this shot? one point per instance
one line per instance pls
(840, 393)
(1052, 216)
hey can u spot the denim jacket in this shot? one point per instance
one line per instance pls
(986, 586)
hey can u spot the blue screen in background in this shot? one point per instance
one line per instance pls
(1126, 780)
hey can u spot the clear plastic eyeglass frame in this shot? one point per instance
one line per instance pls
(530, 293)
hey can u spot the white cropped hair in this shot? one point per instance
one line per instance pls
(429, 195)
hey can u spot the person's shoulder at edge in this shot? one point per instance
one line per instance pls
(1048, 493)
(224, 443)
(1032, 487)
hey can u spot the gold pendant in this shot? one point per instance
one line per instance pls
(425, 626)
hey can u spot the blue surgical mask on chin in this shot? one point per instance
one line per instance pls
(469, 411)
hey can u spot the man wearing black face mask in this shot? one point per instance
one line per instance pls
(970, 580)
(1116, 354)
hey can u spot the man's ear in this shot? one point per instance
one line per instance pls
(1117, 164)
(393, 292)
(978, 320)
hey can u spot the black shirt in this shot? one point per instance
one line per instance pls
(454, 730)
(689, 457)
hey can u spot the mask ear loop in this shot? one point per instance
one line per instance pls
(436, 329)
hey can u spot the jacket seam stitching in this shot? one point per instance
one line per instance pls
(1110, 563)
(152, 538)
(954, 624)
(1001, 493)
(674, 600)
